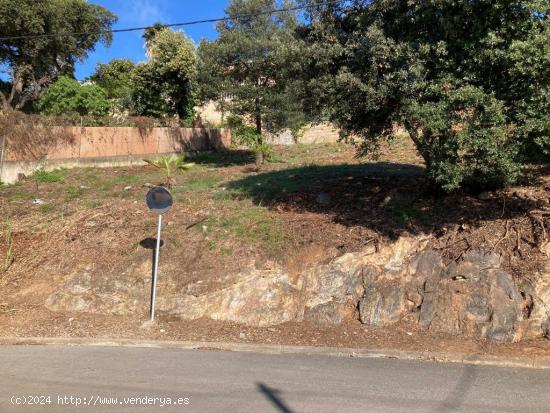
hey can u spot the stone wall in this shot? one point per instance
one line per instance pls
(103, 146)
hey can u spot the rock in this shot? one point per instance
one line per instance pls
(328, 313)
(259, 298)
(323, 198)
(381, 306)
(506, 303)
(546, 327)
(539, 323)
(37, 201)
(127, 188)
(426, 312)
(473, 297)
(545, 248)
(477, 309)
(428, 265)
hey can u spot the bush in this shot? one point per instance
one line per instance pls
(68, 97)
(465, 140)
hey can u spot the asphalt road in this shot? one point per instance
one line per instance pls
(215, 381)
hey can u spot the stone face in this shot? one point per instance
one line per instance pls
(381, 306)
(473, 297)
(426, 312)
(333, 312)
(428, 264)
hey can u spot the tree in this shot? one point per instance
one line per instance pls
(468, 80)
(68, 97)
(32, 62)
(116, 78)
(163, 85)
(245, 69)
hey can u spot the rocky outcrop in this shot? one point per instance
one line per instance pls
(473, 297)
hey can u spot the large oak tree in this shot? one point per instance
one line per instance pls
(31, 61)
(469, 80)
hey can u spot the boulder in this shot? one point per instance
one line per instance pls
(381, 305)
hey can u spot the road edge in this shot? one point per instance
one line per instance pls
(472, 359)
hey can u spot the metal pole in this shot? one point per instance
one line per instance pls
(155, 272)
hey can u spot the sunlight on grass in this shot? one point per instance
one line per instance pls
(254, 225)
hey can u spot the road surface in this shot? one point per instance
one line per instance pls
(80, 379)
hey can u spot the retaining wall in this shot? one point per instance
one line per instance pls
(103, 147)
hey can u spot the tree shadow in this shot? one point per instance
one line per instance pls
(273, 395)
(458, 395)
(389, 198)
(223, 158)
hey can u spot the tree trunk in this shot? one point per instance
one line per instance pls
(258, 116)
(413, 133)
(259, 158)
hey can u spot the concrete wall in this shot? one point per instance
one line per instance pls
(104, 147)
(321, 133)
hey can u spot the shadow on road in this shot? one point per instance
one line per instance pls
(456, 397)
(273, 395)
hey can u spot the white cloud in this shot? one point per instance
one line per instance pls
(143, 12)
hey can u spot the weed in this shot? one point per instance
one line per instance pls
(45, 208)
(43, 176)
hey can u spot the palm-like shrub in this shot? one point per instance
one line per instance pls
(170, 165)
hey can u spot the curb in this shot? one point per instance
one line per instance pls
(441, 357)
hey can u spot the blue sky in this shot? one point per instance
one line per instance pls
(132, 13)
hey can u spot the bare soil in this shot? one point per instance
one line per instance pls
(307, 205)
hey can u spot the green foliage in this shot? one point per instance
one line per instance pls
(34, 62)
(68, 97)
(245, 69)
(472, 96)
(248, 136)
(116, 78)
(57, 175)
(170, 165)
(163, 85)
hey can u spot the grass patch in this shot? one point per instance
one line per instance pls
(257, 226)
(57, 175)
(199, 183)
(20, 195)
(72, 193)
(45, 208)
